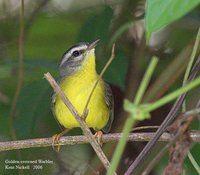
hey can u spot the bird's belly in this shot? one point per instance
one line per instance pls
(98, 112)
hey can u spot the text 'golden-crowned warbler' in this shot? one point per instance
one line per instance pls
(77, 78)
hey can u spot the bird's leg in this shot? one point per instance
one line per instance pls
(56, 139)
(98, 135)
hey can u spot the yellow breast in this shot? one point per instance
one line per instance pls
(77, 88)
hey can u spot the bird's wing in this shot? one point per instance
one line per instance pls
(110, 103)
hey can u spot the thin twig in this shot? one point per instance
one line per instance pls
(72, 140)
(130, 120)
(100, 76)
(144, 128)
(20, 78)
(21, 57)
(80, 120)
(190, 63)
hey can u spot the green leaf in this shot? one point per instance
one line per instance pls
(33, 103)
(160, 13)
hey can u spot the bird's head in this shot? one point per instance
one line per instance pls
(74, 57)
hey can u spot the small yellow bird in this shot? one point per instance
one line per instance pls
(77, 78)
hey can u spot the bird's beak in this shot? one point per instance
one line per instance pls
(93, 44)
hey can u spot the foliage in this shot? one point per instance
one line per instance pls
(53, 29)
(161, 13)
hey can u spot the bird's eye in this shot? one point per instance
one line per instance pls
(76, 53)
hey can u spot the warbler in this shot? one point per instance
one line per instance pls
(77, 78)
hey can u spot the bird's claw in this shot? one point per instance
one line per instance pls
(55, 142)
(98, 135)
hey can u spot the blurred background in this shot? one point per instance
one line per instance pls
(50, 28)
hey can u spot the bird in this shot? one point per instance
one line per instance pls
(77, 78)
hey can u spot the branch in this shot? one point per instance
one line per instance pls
(80, 120)
(71, 140)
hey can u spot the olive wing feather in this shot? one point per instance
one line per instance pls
(110, 103)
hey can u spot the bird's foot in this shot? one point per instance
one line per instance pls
(98, 135)
(55, 142)
(56, 139)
